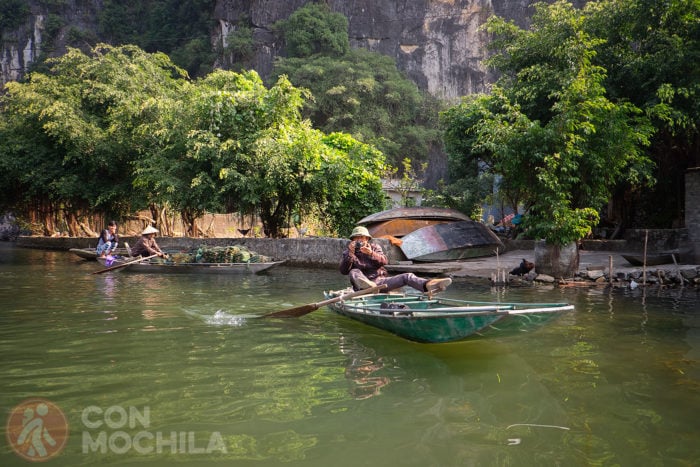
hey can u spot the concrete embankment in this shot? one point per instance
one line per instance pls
(307, 251)
(596, 258)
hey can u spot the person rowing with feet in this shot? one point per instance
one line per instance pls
(364, 262)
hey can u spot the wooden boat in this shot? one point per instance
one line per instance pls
(449, 242)
(402, 221)
(90, 253)
(188, 268)
(429, 320)
(652, 259)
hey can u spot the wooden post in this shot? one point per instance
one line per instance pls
(644, 263)
(678, 270)
(610, 269)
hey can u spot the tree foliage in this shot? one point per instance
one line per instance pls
(178, 28)
(617, 75)
(651, 50)
(548, 127)
(122, 130)
(313, 29)
(359, 92)
(355, 181)
(67, 134)
(12, 14)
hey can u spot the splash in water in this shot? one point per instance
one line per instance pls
(221, 318)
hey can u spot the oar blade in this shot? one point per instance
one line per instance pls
(293, 312)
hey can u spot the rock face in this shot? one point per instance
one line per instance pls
(437, 43)
(22, 46)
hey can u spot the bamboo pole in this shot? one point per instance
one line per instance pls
(678, 270)
(644, 263)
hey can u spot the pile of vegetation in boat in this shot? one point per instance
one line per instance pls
(219, 254)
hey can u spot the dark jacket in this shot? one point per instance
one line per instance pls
(145, 247)
(371, 265)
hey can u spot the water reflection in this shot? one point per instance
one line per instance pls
(466, 403)
(363, 369)
(614, 383)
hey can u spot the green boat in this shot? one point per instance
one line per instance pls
(424, 319)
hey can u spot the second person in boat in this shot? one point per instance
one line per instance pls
(146, 245)
(109, 240)
(364, 262)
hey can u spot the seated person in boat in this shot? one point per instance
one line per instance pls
(109, 239)
(146, 244)
(364, 262)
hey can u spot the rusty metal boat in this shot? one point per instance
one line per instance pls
(450, 241)
(399, 222)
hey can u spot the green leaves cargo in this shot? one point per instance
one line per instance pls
(220, 254)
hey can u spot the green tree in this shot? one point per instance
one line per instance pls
(120, 130)
(354, 188)
(240, 45)
(68, 135)
(548, 127)
(232, 145)
(12, 14)
(314, 29)
(179, 28)
(363, 93)
(651, 51)
(471, 170)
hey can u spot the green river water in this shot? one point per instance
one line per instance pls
(179, 370)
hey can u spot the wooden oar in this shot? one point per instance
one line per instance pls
(123, 265)
(304, 309)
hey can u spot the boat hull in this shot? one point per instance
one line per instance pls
(450, 242)
(400, 227)
(420, 319)
(651, 260)
(413, 213)
(196, 268)
(90, 253)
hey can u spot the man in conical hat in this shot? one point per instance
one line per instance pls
(364, 262)
(146, 244)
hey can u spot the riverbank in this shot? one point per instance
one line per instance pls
(596, 267)
(601, 262)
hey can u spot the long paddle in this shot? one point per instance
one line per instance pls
(123, 265)
(304, 309)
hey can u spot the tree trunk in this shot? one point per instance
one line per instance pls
(72, 223)
(560, 262)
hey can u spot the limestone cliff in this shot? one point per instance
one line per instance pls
(437, 43)
(44, 32)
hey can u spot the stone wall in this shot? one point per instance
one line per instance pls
(692, 210)
(310, 252)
